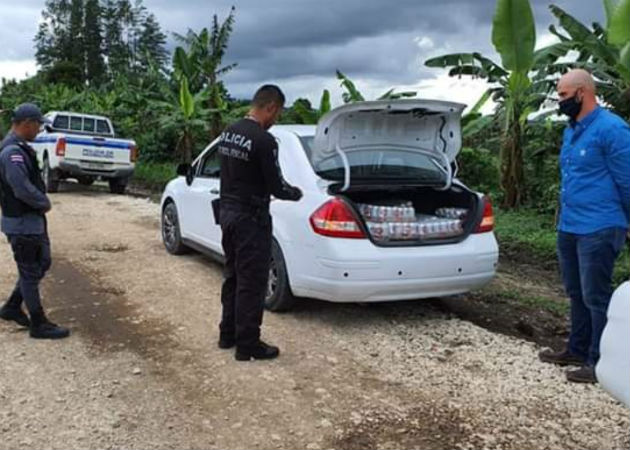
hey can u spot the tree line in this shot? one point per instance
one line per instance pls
(109, 57)
(91, 42)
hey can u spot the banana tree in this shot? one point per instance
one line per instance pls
(185, 114)
(352, 94)
(204, 66)
(603, 52)
(514, 92)
(309, 116)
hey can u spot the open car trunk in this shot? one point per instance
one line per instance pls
(413, 216)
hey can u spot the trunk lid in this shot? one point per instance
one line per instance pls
(411, 142)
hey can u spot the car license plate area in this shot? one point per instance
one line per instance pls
(95, 165)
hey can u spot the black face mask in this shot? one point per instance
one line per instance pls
(571, 107)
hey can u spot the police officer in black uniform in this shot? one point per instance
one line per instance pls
(24, 204)
(250, 174)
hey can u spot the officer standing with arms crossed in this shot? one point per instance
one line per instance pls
(250, 174)
(24, 204)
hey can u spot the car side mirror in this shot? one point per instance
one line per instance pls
(185, 170)
(48, 128)
(182, 169)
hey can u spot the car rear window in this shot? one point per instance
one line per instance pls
(89, 125)
(61, 122)
(378, 165)
(102, 127)
(382, 165)
(76, 123)
(307, 144)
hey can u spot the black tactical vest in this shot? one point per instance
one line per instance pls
(10, 204)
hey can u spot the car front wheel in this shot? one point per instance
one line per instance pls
(51, 178)
(171, 235)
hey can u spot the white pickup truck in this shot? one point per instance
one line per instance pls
(83, 147)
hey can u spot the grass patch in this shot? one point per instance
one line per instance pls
(535, 233)
(559, 308)
(527, 229)
(154, 175)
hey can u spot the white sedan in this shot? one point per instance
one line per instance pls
(613, 367)
(382, 217)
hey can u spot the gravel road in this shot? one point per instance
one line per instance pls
(142, 369)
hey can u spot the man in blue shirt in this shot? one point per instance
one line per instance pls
(594, 216)
(24, 204)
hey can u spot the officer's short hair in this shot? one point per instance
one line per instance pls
(269, 93)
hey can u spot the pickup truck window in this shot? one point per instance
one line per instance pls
(102, 127)
(61, 122)
(89, 125)
(76, 123)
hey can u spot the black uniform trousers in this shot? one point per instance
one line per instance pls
(247, 248)
(32, 256)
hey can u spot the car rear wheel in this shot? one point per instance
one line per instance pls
(171, 235)
(279, 296)
(51, 179)
(117, 185)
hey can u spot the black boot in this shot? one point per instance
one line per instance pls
(226, 342)
(563, 358)
(13, 312)
(42, 328)
(585, 374)
(257, 351)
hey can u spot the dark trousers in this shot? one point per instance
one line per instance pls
(587, 263)
(247, 247)
(32, 256)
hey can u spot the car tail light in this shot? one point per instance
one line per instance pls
(335, 219)
(60, 149)
(133, 153)
(487, 221)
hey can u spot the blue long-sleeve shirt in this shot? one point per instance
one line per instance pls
(14, 168)
(595, 172)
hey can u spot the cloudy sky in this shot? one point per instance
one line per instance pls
(298, 44)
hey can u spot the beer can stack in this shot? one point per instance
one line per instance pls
(400, 222)
(451, 213)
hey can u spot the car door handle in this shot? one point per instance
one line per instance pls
(215, 191)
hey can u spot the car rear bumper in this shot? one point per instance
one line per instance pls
(396, 290)
(77, 169)
(370, 274)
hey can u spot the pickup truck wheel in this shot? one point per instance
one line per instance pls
(51, 180)
(279, 296)
(117, 185)
(171, 236)
(86, 181)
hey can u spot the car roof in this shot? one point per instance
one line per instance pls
(69, 113)
(300, 130)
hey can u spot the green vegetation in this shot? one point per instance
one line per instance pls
(534, 234)
(558, 308)
(153, 175)
(521, 84)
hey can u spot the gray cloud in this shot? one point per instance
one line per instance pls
(385, 41)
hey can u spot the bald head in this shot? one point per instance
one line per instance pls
(576, 93)
(577, 78)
